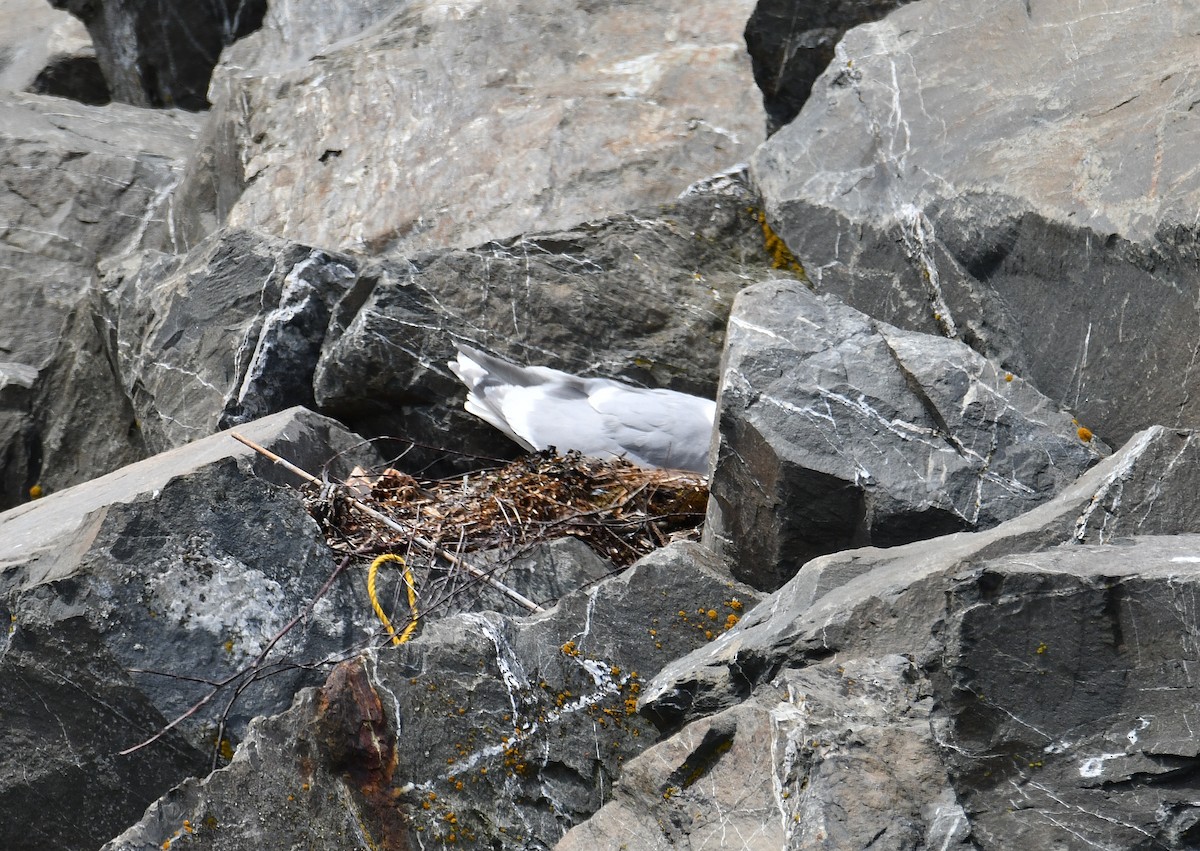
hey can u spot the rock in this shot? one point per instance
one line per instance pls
(828, 756)
(153, 57)
(77, 184)
(973, 169)
(226, 334)
(869, 601)
(948, 746)
(80, 183)
(16, 432)
(83, 424)
(383, 369)
(507, 731)
(69, 708)
(483, 138)
(190, 562)
(543, 573)
(791, 42)
(1083, 736)
(46, 51)
(839, 431)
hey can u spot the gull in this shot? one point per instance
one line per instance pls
(540, 408)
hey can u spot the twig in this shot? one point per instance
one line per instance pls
(392, 524)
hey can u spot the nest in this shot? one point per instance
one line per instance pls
(621, 511)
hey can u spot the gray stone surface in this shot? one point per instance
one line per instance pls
(835, 755)
(42, 541)
(227, 333)
(1019, 176)
(870, 600)
(68, 707)
(465, 132)
(1065, 699)
(501, 732)
(839, 431)
(77, 184)
(37, 47)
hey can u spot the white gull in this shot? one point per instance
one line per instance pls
(539, 408)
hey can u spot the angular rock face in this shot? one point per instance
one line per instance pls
(1065, 698)
(77, 184)
(227, 334)
(69, 707)
(163, 561)
(46, 51)
(852, 602)
(969, 168)
(1041, 690)
(836, 755)
(492, 121)
(839, 431)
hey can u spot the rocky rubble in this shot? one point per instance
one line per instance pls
(931, 607)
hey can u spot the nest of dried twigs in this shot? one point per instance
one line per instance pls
(621, 511)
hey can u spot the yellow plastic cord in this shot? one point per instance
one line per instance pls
(412, 597)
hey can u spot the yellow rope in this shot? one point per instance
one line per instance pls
(412, 597)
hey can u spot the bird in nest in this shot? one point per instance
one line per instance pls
(540, 408)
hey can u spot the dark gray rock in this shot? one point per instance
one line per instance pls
(543, 573)
(162, 56)
(16, 432)
(479, 136)
(187, 565)
(1065, 701)
(791, 43)
(225, 334)
(1008, 175)
(663, 281)
(1043, 690)
(69, 708)
(835, 755)
(501, 732)
(839, 431)
(866, 602)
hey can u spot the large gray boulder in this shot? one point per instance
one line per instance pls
(791, 42)
(839, 431)
(1018, 176)
(47, 51)
(860, 600)
(77, 184)
(475, 124)
(127, 599)
(483, 731)
(972, 691)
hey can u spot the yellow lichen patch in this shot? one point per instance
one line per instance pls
(1008, 376)
(1041, 648)
(1085, 434)
(570, 649)
(781, 256)
(36, 492)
